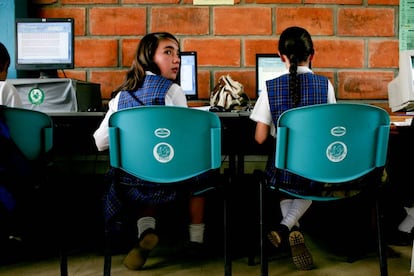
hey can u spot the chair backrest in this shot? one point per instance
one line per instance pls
(332, 143)
(164, 144)
(31, 130)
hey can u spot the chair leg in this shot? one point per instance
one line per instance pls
(382, 248)
(264, 270)
(63, 263)
(107, 254)
(227, 252)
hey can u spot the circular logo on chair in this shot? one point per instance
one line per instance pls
(36, 96)
(163, 152)
(336, 151)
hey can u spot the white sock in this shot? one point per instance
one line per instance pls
(285, 206)
(408, 223)
(298, 208)
(196, 232)
(145, 223)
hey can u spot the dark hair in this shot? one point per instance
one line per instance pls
(143, 61)
(296, 43)
(4, 57)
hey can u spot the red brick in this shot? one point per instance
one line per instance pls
(338, 2)
(129, 48)
(189, 20)
(215, 52)
(245, 21)
(69, 2)
(256, 46)
(204, 84)
(338, 53)
(96, 53)
(73, 74)
(317, 21)
(109, 80)
(384, 2)
(366, 22)
(151, 1)
(117, 21)
(383, 54)
(363, 85)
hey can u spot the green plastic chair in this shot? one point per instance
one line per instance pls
(163, 144)
(331, 143)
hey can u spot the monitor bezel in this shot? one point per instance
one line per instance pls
(190, 97)
(39, 66)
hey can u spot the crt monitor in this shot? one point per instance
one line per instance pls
(401, 89)
(44, 45)
(187, 77)
(268, 66)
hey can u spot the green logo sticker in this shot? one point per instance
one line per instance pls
(36, 96)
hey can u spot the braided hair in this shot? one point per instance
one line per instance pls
(296, 43)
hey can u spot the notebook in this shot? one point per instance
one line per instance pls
(268, 66)
(187, 77)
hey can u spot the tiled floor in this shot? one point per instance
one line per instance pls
(164, 261)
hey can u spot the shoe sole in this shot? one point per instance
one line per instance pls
(137, 257)
(301, 256)
(274, 238)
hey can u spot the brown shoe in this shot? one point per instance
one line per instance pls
(138, 255)
(301, 256)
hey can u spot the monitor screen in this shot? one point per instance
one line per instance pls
(401, 89)
(44, 45)
(188, 74)
(268, 66)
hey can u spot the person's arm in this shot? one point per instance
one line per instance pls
(101, 135)
(262, 132)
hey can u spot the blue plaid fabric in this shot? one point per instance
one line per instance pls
(314, 90)
(152, 92)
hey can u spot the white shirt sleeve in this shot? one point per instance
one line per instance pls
(9, 95)
(174, 97)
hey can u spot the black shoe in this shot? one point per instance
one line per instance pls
(195, 251)
(279, 236)
(401, 238)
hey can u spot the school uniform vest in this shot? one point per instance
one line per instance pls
(314, 90)
(152, 92)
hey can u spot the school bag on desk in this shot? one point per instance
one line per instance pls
(229, 95)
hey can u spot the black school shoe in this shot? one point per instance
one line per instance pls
(279, 236)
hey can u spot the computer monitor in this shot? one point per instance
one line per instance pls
(268, 66)
(187, 77)
(401, 89)
(44, 45)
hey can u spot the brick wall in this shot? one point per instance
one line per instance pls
(356, 41)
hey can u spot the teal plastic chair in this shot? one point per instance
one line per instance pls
(32, 132)
(163, 144)
(331, 143)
